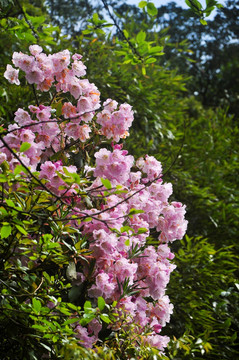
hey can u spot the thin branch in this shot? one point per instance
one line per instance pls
(29, 171)
(32, 124)
(26, 213)
(35, 94)
(178, 153)
(27, 21)
(120, 31)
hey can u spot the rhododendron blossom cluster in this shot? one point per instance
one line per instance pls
(116, 202)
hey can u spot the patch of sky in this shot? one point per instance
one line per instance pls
(181, 3)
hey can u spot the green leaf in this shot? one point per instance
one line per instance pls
(36, 305)
(10, 203)
(95, 18)
(210, 3)
(142, 230)
(2, 129)
(73, 307)
(209, 10)
(3, 211)
(106, 183)
(188, 3)
(87, 318)
(71, 321)
(87, 306)
(18, 169)
(21, 229)
(126, 229)
(101, 303)
(127, 242)
(105, 318)
(126, 34)
(197, 4)
(87, 31)
(151, 9)
(140, 36)
(142, 4)
(156, 50)
(40, 327)
(150, 60)
(203, 22)
(65, 311)
(88, 219)
(194, 5)
(59, 109)
(6, 231)
(3, 178)
(25, 146)
(234, 337)
(135, 211)
(227, 322)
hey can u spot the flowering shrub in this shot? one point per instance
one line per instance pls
(80, 216)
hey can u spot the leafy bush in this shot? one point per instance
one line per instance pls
(78, 266)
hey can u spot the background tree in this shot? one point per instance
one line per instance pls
(207, 53)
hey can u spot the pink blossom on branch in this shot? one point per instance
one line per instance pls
(124, 200)
(11, 75)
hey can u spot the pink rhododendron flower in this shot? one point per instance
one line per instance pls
(84, 104)
(115, 124)
(110, 105)
(150, 166)
(22, 117)
(24, 62)
(74, 87)
(158, 341)
(105, 286)
(78, 68)
(61, 60)
(3, 157)
(114, 166)
(85, 339)
(35, 75)
(68, 110)
(35, 49)
(11, 75)
(172, 224)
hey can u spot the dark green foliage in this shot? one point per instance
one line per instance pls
(207, 174)
(206, 299)
(71, 15)
(208, 53)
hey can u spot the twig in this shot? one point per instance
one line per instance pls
(27, 21)
(120, 31)
(178, 153)
(33, 124)
(35, 94)
(29, 171)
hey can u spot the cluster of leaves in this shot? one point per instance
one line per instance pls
(31, 329)
(205, 295)
(197, 8)
(209, 54)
